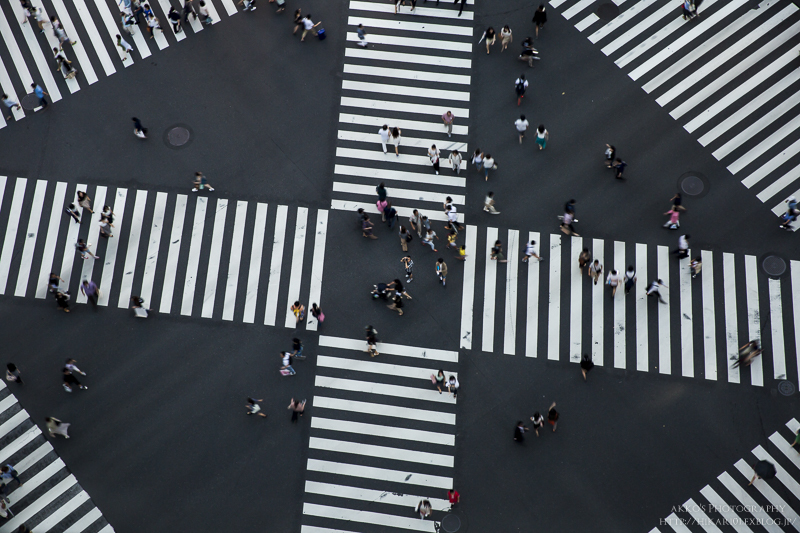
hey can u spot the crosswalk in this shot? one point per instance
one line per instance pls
(549, 309)
(181, 253)
(729, 504)
(730, 77)
(415, 68)
(382, 438)
(94, 26)
(50, 498)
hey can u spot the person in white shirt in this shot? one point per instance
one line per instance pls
(452, 217)
(683, 246)
(384, 133)
(125, 46)
(630, 278)
(455, 161)
(308, 26)
(433, 153)
(530, 251)
(522, 127)
(488, 162)
(452, 386)
(488, 204)
(613, 281)
(652, 290)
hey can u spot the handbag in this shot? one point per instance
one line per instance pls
(409, 238)
(433, 379)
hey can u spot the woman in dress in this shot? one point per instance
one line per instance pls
(84, 201)
(505, 37)
(394, 138)
(542, 135)
(489, 35)
(57, 427)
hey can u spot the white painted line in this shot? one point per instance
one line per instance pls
(709, 327)
(176, 236)
(85, 521)
(772, 165)
(402, 212)
(37, 480)
(576, 302)
(409, 75)
(384, 452)
(418, 11)
(12, 227)
(640, 292)
(512, 268)
(9, 425)
(621, 19)
(651, 41)
(371, 387)
(274, 283)
(214, 257)
(194, 256)
(401, 107)
(112, 245)
(34, 457)
(416, 92)
(296, 270)
(40, 503)
(158, 35)
(367, 517)
(380, 474)
(665, 12)
(686, 318)
(783, 132)
(726, 510)
(372, 367)
(795, 270)
(619, 306)
(78, 48)
(468, 292)
(230, 8)
(235, 261)
(129, 270)
(255, 264)
(68, 259)
(445, 145)
(588, 21)
(42, 64)
(664, 344)
(777, 186)
(16, 57)
(700, 517)
(390, 349)
(92, 239)
(431, 44)
(317, 266)
(753, 316)
(405, 194)
(778, 504)
(532, 304)
(396, 175)
(110, 22)
(389, 432)
(382, 409)
(554, 310)
(5, 81)
(404, 124)
(373, 496)
(597, 305)
(783, 445)
(576, 8)
(50, 38)
(376, 56)
(62, 512)
(7, 402)
(776, 325)
(35, 218)
(489, 293)
(740, 493)
(788, 481)
(731, 319)
(151, 260)
(403, 159)
(20, 442)
(48, 255)
(403, 26)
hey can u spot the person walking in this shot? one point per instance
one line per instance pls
(366, 228)
(687, 10)
(619, 166)
(566, 224)
(452, 217)
(105, 228)
(683, 246)
(397, 304)
(57, 427)
(40, 94)
(139, 130)
(188, 9)
(60, 33)
(62, 300)
(505, 37)
(83, 249)
(41, 18)
(522, 126)
(497, 252)
(405, 238)
(397, 286)
(673, 222)
(408, 264)
(200, 182)
(13, 374)
(488, 204)
(390, 214)
(519, 432)
(253, 408)
(520, 86)
(362, 36)
(205, 16)
(552, 416)
(384, 134)
(788, 218)
(10, 104)
(530, 251)
(308, 26)
(297, 349)
(630, 279)
(609, 154)
(542, 136)
(91, 291)
(382, 193)
(461, 9)
(297, 408)
(477, 159)
(677, 201)
(452, 236)
(538, 422)
(539, 18)
(489, 35)
(317, 313)
(488, 163)
(394, 138)
(72, 211)
(286, 361)
(174, 17)
(372, 341)
(152, 23)
(433, 154)
(438, 380)
(416, 222)
(796, 441)
(299, 312)
(652, 290)
(84, 201)
(696, 265)
(584, 259)
(424, 509)
(428, 239)
(613, 281)
(426, 225)
(125, 46)
(441, 271)
(70, 381)
(298, 20)
(453, 386)
(63, 64)
(596, 271)
(448, 119)
(586, 365)
(455, 161)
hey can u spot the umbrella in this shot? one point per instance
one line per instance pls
(765, 469)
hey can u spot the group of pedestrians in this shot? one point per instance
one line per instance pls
(537, 422)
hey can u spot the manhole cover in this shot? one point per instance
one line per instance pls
(30, 102)
(774, 265)
(692, 185)
(607, 11)
(786, 388)
(178, 136)
(451, 523)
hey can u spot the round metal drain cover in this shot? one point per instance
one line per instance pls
(30, 102)
(607, 11)
(178, 136)
(774, 265)
(451, 523)
(692, 185)
(786, 388)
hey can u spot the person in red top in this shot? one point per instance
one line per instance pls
(454, 497)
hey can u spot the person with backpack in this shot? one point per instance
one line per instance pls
(520, 86)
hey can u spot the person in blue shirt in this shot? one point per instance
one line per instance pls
(40, 94)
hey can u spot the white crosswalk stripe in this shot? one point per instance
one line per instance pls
(372, 462)
(695, 333)
(730, 504)
(155, 255)
(415, 68)
(729, 76)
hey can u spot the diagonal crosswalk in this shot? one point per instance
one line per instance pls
(180, 252)
(730, 77)
(382, 437)
(729, 504)
(550, 309)
(415, 68)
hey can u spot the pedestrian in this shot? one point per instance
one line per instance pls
(433, 154)
(317, 313)
(249, 5)
(584, 259)
(424, 509)
(405, 238)
(453, 386)
(408, 264)
(366, 228)
(60, 33)
(552, 416)
(519, 432)
(105, 228)
(298, 20)
(522, 126)
(139, 310)
(299, 311)
(788, 218)
(488, 204)
(72, 366)
(286, 361)
(505, 37)
(10, 104)
(488, 163)
(677, 201)
(542, 135)
(83, 249)
(253, 408)
(462, 253)
(281, 6)
(200, 182)
(477, 159)
(152, 23)
(70, 381)
(652, 290)
(566, 224)
(441, 271)
(538, 422)
(205, 17)
(13, 374)
(416, 222)
(62, 300)
(453, 497)
(188, 9)
(395, 140)
(696, 265)
(84, 201)
(372, 341)
(448, 119)
(428, 239)
(362, 36)
(438, 380)
(530, 251)
(381, 191)
(57, 427)
(124, 46)
(673, 222)
(297, 408)
(40, 94)
(174, 17)
(462, 6)
(91, 291)
(452, 217)
(586, 365)
(619, 165)
(63, 64)
(426, 224)
(539, 18)
(520, 85)
(489, 35)
(41, 18)
(497, 252)
(596, 271)
(391, 214)
(384, 133)
(613, 281)
(72, 211)
(695, 7)
(609, 153)
(796, 441)
(747, 353)
(755, 474)
(569, 206)
(297, 349)
(683, 246)
(687, 10)
(397, 304)
(630, 278)
(397, 286)
(308, 26)
(139, 130)
(452, 236)
(455, 161)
